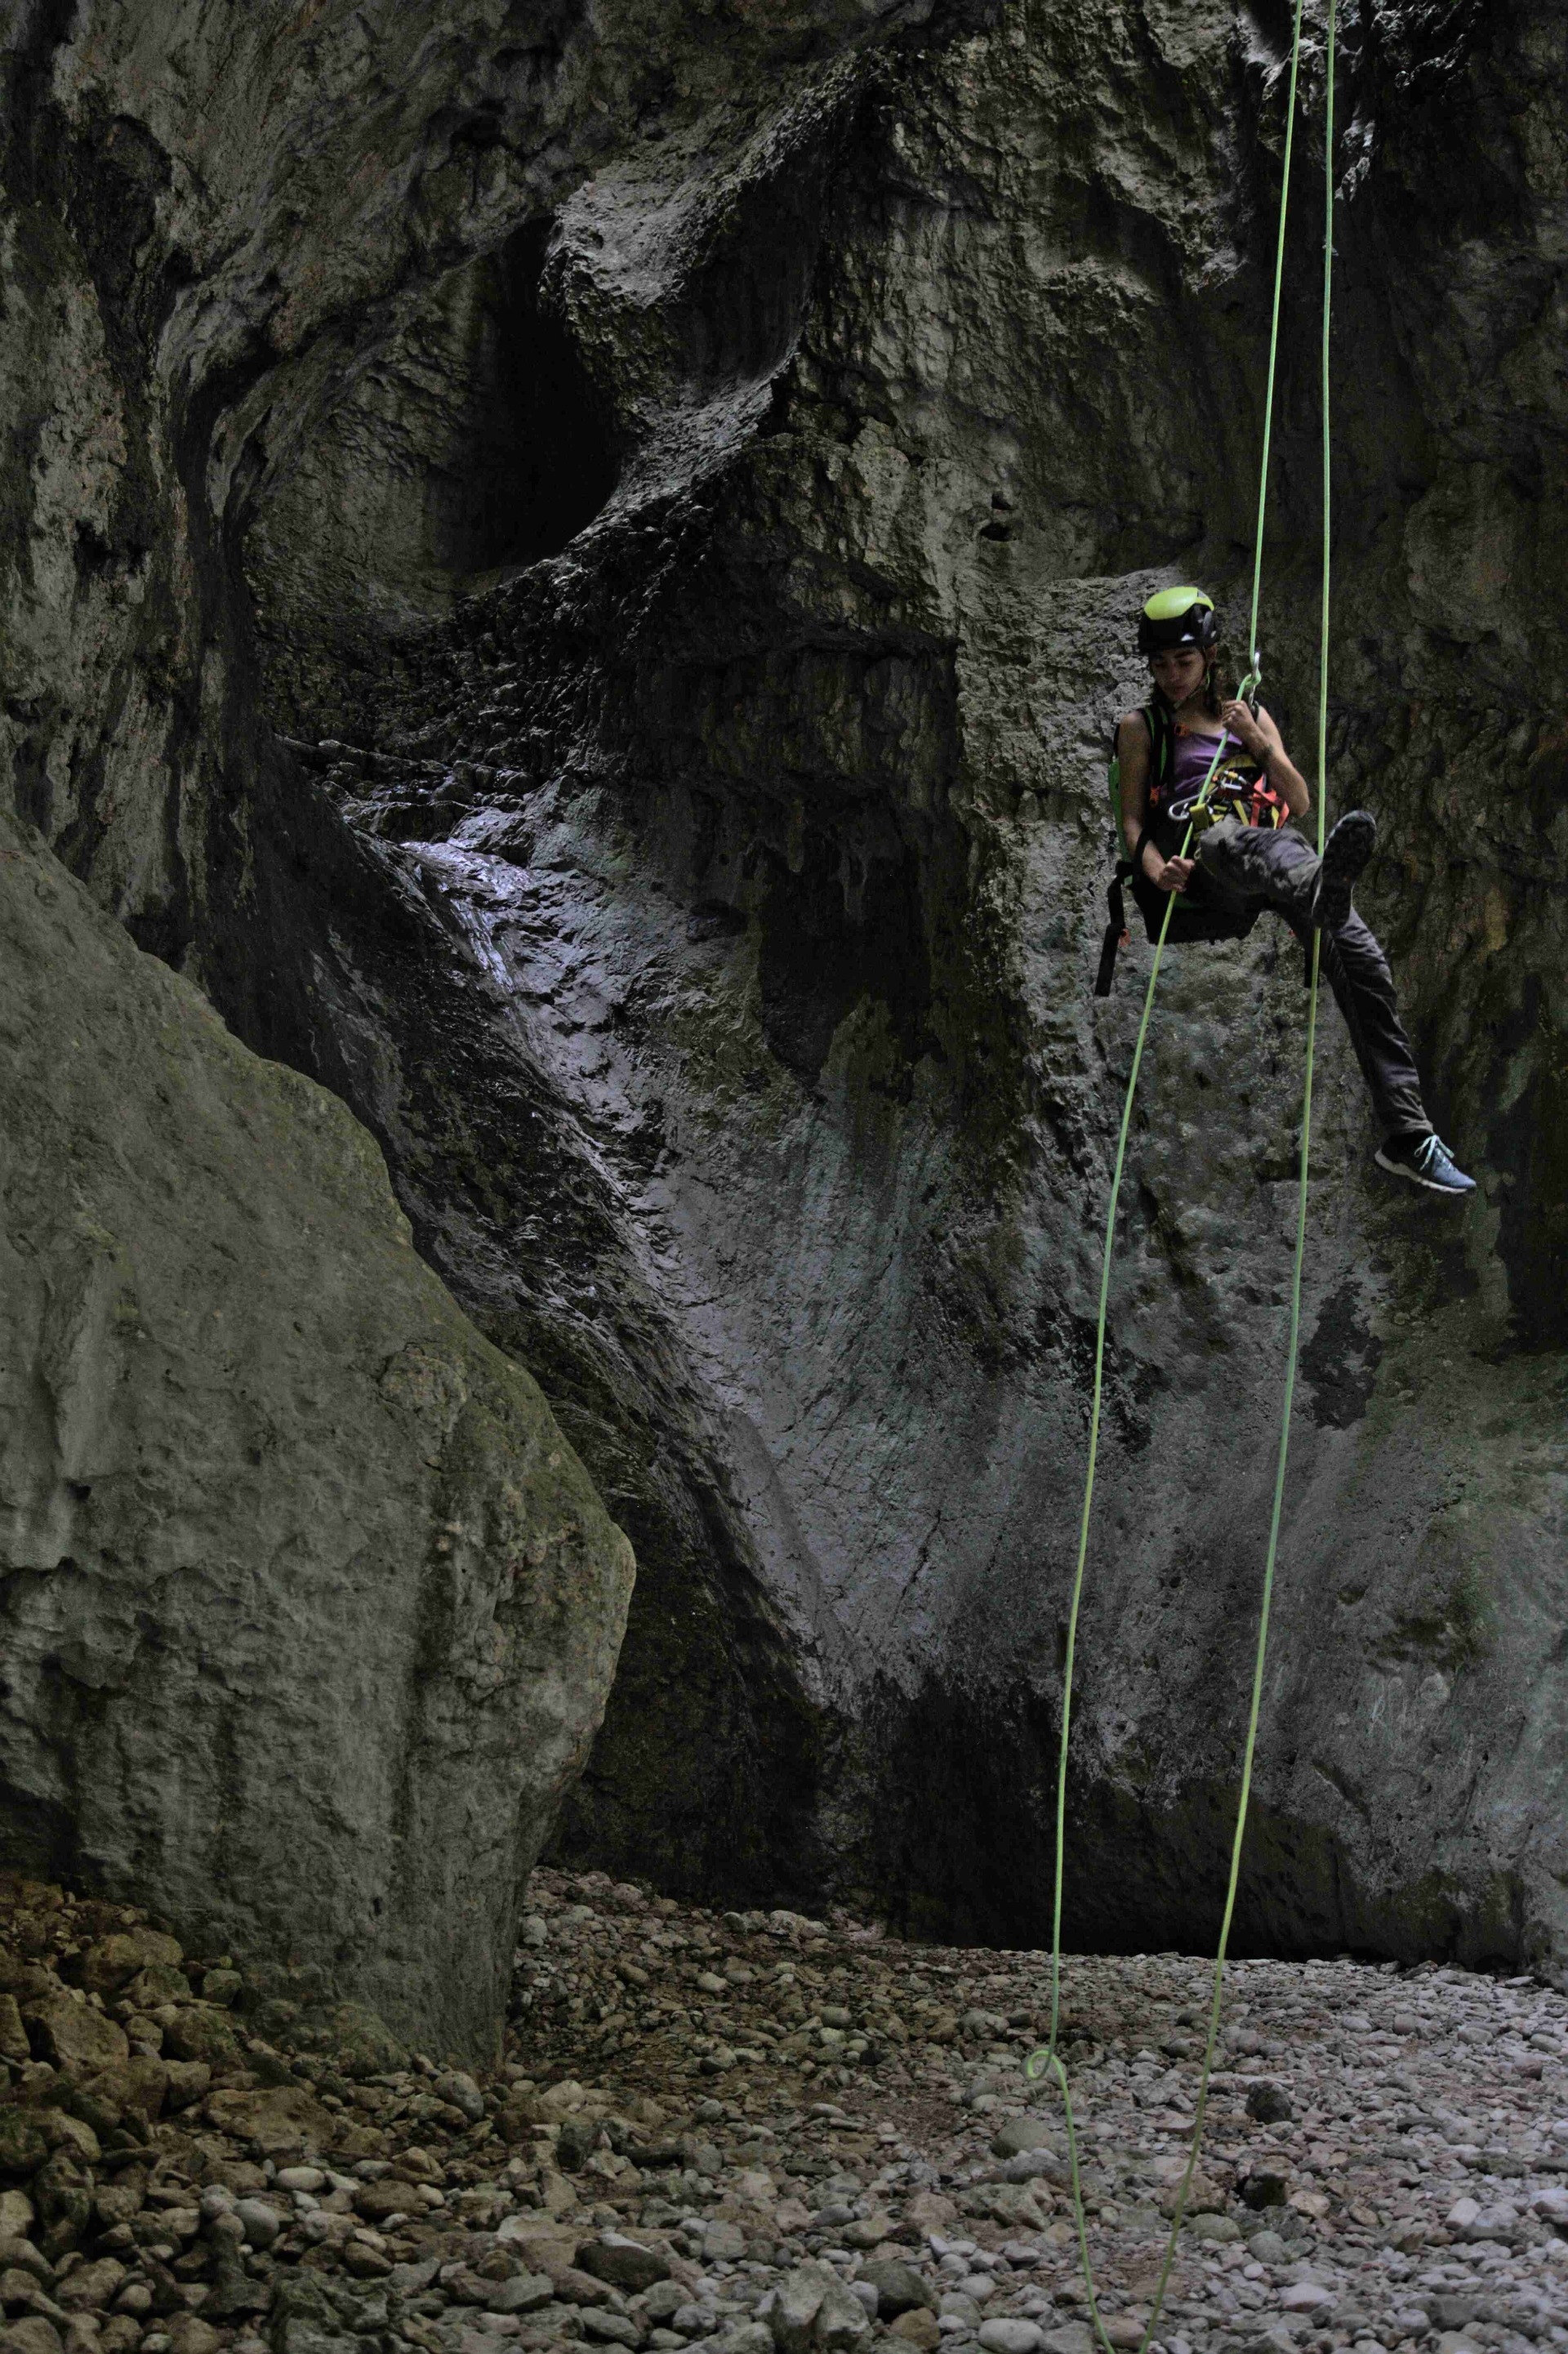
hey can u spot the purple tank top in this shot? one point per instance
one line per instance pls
(1238, 788)
(1191, 754)
(1190, 758)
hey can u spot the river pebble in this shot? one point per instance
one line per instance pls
(1385, 2161)
(756, 2133)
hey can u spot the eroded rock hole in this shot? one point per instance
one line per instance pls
(537, 465)
(743, 306)
(472, 444)
(824, 951)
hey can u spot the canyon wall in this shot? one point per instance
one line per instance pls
(582, 597)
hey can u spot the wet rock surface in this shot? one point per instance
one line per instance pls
(766, 2135)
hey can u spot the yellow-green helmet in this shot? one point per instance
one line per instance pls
(1176, 617)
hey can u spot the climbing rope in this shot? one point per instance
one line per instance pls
(1048, 2059)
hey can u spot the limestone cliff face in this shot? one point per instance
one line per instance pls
(693, 535)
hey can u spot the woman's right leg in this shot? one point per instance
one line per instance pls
(1280, 869)
(1363, 990)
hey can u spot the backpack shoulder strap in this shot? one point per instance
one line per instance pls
(1115, 931)
(1162, 742)
(1162, 738)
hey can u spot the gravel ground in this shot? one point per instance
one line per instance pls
(757, 2134)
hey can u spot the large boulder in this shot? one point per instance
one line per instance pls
(308, 1611)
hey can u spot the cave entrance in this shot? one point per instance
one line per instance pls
(534, 464)
(472, 442)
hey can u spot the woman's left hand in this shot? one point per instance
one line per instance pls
(1256, 735)
(1238, 720)
(1259, 736)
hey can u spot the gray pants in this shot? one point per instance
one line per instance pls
(1249, 865)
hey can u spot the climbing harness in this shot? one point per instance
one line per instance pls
(1047, 2060)
(1232, 789)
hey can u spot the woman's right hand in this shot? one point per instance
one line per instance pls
(1171, 874)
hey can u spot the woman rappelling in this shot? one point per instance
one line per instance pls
(1248, 857)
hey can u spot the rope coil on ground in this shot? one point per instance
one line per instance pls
(1047, 2060)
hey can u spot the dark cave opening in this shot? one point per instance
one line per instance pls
(819, 957)
(473, 443)
(537, 462)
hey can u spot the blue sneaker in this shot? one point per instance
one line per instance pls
(1426, 1160)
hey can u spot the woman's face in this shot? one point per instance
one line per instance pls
(1179, 671)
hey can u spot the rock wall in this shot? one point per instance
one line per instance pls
(216, 239)
(702, 624)
(207, 233)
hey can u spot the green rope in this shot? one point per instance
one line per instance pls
(1328, 483)
(1048, 2058)
(1253, 655)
